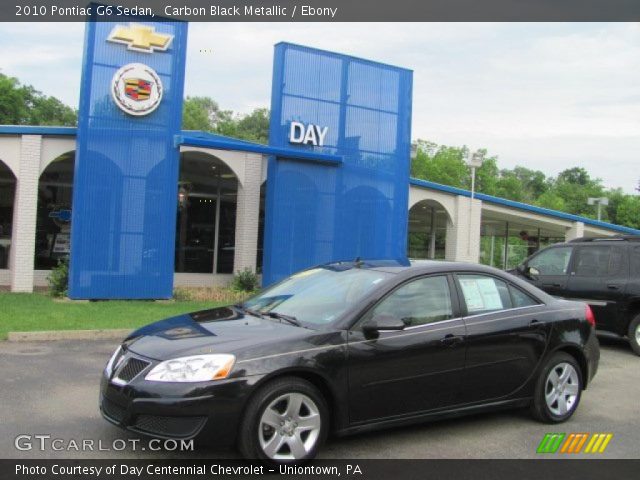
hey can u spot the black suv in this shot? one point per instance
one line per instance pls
(603, 272)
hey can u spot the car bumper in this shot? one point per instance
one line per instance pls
(592, 355)
(210, 412)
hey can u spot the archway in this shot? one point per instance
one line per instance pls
(53, 220)
(206, 221)
(7, 200)
(427, 233)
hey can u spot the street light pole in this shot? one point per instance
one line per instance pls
(473, 161)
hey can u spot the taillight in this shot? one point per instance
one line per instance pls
(588, 313)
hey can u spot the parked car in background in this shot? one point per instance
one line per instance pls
(349, 347)
(603, 272)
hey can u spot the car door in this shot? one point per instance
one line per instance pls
(552, 266)
(411, 370)
(598, 277)
(507, 333)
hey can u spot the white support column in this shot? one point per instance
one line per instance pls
(575, 231)
(247, 214)
(463, 233)
(23, 239)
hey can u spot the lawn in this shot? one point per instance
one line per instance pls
(20, 312)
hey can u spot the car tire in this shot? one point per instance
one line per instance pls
(286, 421)
(633, 334)
(558, 389)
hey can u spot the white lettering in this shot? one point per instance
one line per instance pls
(296, 133)
(307, 134)
(322, 133)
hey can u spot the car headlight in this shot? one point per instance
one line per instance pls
(197, 368)
(109, 368)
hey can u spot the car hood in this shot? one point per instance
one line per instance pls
(219, 330)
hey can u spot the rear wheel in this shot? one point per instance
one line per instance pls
(285, 422)
(558, 389)
(634, 334)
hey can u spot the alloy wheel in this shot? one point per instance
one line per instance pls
(289, 427)
(562, 388)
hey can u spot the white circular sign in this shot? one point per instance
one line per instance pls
(137, 89)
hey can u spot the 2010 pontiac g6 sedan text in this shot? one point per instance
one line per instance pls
(348, 347)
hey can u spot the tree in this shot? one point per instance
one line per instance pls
(24, 105)
(628, 212)
(204, 113)
(575, 186)
(441, 164)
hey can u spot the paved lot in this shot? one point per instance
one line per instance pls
(52, 388)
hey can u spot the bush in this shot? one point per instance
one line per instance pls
(59, 279)
(225, 295)
(245, 281)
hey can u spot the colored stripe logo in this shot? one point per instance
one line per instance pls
(574, 443)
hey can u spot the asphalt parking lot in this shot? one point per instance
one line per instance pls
(51, 388)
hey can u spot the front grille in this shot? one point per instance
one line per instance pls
(130, 368)
(169, 426)
(113, 410)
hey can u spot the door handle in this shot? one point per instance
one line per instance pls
(613, 286)
(451, 340)
(535, 323)
(555, 284)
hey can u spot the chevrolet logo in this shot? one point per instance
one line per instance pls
(140, 38)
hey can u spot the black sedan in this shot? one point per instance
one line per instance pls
(349, 347)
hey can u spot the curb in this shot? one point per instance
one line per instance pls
(53, 335)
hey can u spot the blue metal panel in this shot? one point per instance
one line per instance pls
(316, 214)
(126, 173)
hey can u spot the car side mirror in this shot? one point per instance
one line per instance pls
(532, 272)
(382, 322)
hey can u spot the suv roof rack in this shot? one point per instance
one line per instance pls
(614, 238)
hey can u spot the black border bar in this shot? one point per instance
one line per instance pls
(329, 10)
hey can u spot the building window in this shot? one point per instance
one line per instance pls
(53, 222)
(206, 221)
(7, 198)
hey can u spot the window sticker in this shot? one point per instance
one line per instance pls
(490, 294)
(481, 294)
(472, 295)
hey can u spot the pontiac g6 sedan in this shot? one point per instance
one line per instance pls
(349, 347)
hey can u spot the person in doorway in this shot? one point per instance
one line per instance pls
(532, 242)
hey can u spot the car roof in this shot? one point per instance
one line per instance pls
(415, 266)
(615, 238)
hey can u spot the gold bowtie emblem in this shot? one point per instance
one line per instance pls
(140, 38)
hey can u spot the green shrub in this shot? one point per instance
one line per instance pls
(245, 281)
(59, 279)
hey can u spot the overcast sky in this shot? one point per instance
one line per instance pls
(544, 96)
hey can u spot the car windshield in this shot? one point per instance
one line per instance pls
(317, 296)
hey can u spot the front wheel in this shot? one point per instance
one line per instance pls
(558, 389)
(285, 422)
(634, 334)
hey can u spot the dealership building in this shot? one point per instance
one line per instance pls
(141, 206)
(220, 209)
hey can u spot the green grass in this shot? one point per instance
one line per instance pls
(23, 312)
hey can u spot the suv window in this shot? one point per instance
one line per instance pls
(419, 302)
(484, 294)
(598, 261)
(554, 261)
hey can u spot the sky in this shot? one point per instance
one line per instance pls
(546, 96)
